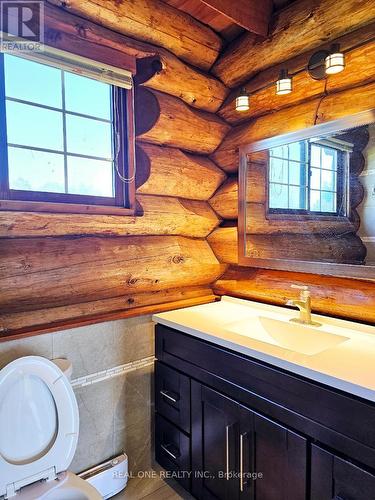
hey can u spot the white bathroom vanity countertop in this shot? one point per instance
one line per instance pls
(339, 354)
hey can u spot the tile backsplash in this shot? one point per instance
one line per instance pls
(115, 413)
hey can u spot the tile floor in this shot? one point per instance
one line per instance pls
(153, 489)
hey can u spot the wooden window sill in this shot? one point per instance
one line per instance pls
(71, 208)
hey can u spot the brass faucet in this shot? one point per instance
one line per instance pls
(304, 306)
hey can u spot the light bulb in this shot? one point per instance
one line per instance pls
(284, 83)
(335, 61)
(243, 101)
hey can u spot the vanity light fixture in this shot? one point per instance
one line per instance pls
(335, 61)
(284, 83)
(243, 101)
(320, 65)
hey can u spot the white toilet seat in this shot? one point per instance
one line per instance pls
(39, 421)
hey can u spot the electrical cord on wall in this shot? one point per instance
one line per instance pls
(320, 101)
(125, 180)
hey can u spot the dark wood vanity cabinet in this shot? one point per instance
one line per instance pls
(232, 428)
(335, 478)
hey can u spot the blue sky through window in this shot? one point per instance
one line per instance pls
(59, 130)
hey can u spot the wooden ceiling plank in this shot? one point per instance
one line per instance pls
(252, 15)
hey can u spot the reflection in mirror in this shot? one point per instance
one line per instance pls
(313, 200)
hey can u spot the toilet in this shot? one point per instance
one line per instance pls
(39, 425)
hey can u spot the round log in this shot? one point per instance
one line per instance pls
(291, 119)
(359, 48)
(310, 247)
(258, 223)
(225, 200)
(224, 243)
(168, 74)
(357, 163)
(357, 192)
(171, 172)
(348, 298)
(296, 29)
(79, 36)
(165, 120)
(97, 311)
(346, 249)
(161, 215)
(155, 22)
(47, 272)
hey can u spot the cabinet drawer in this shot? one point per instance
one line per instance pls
(335, 478)
(172, 450)
(172, 396)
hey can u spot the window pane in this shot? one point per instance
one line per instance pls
(31, 81)
(329, 180)
(278, 170)
(296, 173)
(88, 137)
(328, 202)
(32, 126)
(280, 152)
(278, 197)
(329, 158)
(35, 170)
(315, 201)
(296, 151)
(87, 96)
(315, 178)
(90, 177)
(315, 156)
(296, 198)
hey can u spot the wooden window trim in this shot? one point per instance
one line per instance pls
(37, 201)
(70, 208)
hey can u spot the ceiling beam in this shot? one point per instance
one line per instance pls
(252, 15)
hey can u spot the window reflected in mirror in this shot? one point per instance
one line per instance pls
(310, 177)
(312, 200)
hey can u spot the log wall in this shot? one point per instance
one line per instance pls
(60, 270)
(310, 103)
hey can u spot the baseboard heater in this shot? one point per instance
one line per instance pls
(110, 477)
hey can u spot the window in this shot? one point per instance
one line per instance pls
(308, 177)
(63, 136)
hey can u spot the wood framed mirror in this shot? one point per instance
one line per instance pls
(307, 200)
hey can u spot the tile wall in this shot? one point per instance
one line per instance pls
(115, 413)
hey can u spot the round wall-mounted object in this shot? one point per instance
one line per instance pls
(317, 65)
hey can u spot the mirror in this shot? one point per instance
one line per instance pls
(307, 200)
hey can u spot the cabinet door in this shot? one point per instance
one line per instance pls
(243, 455)
(333, 478)
(280, 455)
(215, 444)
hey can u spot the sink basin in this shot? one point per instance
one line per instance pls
(303, 339)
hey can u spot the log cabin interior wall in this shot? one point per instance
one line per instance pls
(297, 32)
(59, 270)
